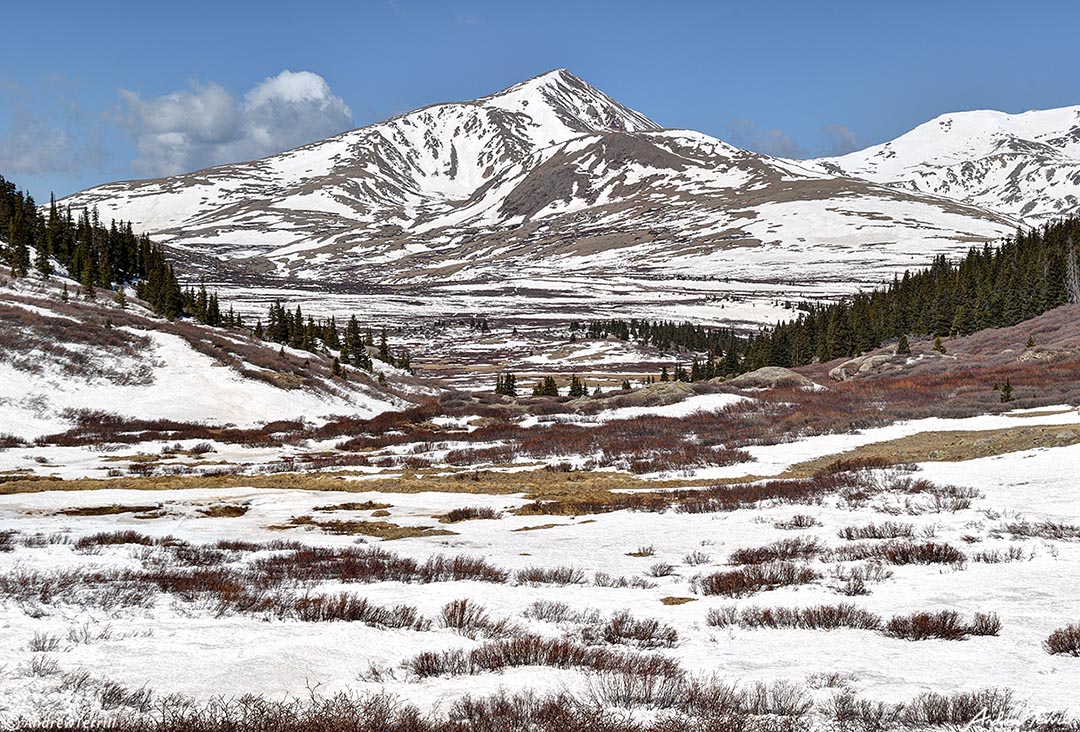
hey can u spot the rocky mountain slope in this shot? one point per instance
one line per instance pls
(1026, 166)
(549, 176)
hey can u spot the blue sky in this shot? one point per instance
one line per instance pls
(85, 87)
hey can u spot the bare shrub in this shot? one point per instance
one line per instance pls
(985, 624)
(530, 650)
(1041, 530)
(1064, 641)
(852, 713)
(900, 552)
(624, 629)
(946, 625)
(109, 538)
(560, 612)
(755, 578)
(470, 513)
(1001, 556)
(798, 521)
(654, 685)
(818, 617)
(603, 579)
(112, 695)
(44, 643)
(886, 530)
(550, 576)
(853, 581)
(963, 708)
(472, 621)
(696, 558)
(797, 547)
(344, 607)
(42, 666)
(661, 569)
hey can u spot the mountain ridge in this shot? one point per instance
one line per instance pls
(547, 175)
(1024, 165)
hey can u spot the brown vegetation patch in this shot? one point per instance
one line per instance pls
(541, 527)
(384, 530)
(348, 506)
(106, 510)
(224, 510)
(677, 600)
(954, 446)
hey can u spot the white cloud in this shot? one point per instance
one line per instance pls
(45, 133)
(747, 135)
(841, 140)
(206, 125)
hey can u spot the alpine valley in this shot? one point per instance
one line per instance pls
(527, 413)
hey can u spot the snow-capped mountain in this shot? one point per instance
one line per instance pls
(548, 176)
(1026, 166)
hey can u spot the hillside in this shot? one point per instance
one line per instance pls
(1025, 166)
(65, 360)
(547, 178)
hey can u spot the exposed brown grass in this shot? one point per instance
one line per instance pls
(379, 529)
(112, 510)
(954, 446)
(224, 510)
(670, 600)
(353, 506)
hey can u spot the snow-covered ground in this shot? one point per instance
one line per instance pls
(154, 374)
(178, 646)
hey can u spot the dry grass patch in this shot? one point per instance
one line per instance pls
(384, 530)
(572, 490)
(541, 527)
(676, 600)
(112, 510)
(224, 510)
(953, 446)
(363, 506)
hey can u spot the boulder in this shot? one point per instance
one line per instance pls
(860, 365)
(771, 377)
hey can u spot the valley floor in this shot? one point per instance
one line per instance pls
(95, 620)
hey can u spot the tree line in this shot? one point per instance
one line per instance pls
(992, 286)
(114, 257)
(95, 255)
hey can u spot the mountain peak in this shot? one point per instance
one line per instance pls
(574, 102)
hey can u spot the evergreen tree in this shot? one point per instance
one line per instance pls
(546, 387)
(1007, 391)
(577, 387)
(384, 349)
(903, 348)
(506, 384)
(938, 345)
